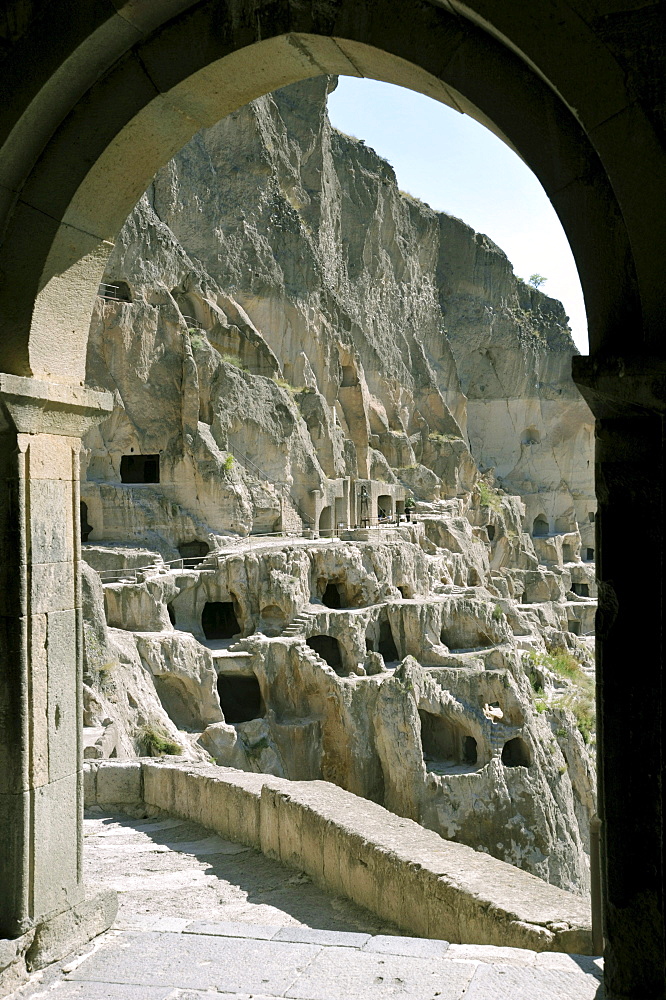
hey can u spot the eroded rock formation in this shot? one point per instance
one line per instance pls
(296, 347)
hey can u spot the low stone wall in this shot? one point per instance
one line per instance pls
(428, 886)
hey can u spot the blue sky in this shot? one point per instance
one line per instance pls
(457, 166)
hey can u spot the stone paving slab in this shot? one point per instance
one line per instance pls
(106, 991)
(199, 962)
(512, 983)
(384, 944)
(338, 973)
(232, 929)
(310, 935)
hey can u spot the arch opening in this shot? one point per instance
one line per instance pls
(445, 744)
(516, 753)
(332, 596)
(328, 647)
(240, 698)
(326, 522)
(219, 621)
(540, 527)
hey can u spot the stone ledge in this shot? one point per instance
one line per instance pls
(393, 867)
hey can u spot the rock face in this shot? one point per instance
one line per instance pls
(296, 347)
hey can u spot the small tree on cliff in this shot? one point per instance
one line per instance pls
(537, 280)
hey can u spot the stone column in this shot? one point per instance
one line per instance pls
(41, 651)
(628, 398)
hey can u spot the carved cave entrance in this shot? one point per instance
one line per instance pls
(446, 744)
(540, 528)
(332, 597)
(326, 522)
(140, 469)
(328, 648)
(219, 621)
(386, 645)
(240, 698)
(516, 753)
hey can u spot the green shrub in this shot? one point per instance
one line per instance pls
(293, 389)
(498, 614)
(228, 463)
(489, 497)
(156, 742)
(541, 706)
(231, 359)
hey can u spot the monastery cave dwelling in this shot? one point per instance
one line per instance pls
(339, 523)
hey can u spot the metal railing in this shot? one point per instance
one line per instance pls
(280, 487)
(107, 291)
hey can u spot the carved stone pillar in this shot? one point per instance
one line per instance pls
(41, 652)
(628, 398)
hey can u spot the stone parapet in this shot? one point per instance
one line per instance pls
(428, 886)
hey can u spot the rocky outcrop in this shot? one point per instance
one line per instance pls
(297, 348)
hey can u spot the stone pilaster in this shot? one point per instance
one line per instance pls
(628, 398)
(40, 648)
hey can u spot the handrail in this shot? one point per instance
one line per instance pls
(281, 487)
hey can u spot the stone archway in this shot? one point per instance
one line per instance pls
(98, 103)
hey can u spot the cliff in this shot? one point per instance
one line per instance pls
(298, 349)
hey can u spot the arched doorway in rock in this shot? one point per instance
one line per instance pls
(240, 698)
(219, 621)
(540, 527)
(386, 644)
(328, 647)
(384, 507)
(326, 522)
(516, 753)
(332, 596)
(445, 743)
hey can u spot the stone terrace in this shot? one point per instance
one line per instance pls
(201, 917)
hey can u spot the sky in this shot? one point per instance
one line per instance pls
(456, 165)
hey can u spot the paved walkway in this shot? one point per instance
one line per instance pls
(202, 918)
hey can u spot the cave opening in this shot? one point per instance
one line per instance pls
(465, 634)
(86, 527)
(490, 529)
(193, 550)
(581, 589)
(445, 743)
(240, 698)
(386, 645)
(516, 753)
(470, 750)
(540, 527)
(219, 621)
(573, 626)
(332, 597)
(172, 614)
(590, 554)
(567, 553)
(139, 469)
(328, 648)
(326, 522)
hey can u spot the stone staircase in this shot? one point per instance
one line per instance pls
(299, 625)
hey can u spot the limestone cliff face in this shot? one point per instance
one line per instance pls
(293, 346)
(292, 305)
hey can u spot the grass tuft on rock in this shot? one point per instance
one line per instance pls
(156, 742)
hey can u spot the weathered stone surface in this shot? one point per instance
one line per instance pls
(327, 346)
(407, 875)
